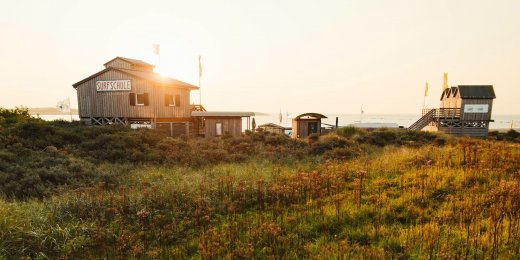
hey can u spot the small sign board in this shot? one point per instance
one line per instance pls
(137, 126)
(476, 108)
(114, 85)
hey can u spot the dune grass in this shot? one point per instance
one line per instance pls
(432, 201)
(71, 191)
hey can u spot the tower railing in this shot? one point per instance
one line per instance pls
(434, 115)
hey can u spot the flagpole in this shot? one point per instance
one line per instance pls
(200, 76)
(156, 51)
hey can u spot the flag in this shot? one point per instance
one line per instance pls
(426, 90)
(157, 49)
(64, 106)
(445, 83)
(200, 66)
(280, 116)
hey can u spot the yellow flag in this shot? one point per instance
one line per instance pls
(426, 90)
(445, 84)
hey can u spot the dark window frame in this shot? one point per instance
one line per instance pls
(142, 96)
(172, 100)
(134, 99)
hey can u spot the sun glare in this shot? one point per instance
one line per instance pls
(161, 71)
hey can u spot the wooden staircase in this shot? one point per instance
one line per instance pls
(436, 115)
(424, 120)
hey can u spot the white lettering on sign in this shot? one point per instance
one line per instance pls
(114, 85)
(476, 108)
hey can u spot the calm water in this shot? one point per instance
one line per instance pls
(501, 121)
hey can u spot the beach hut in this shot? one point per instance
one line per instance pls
(464, 110)
(306, 124)
(272, 128)
(214, 123)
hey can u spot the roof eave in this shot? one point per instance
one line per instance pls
(186, 86)
(75, 85)
(129, 61)
(190, 87)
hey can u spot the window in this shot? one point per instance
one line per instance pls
(139, 99)
(172, 100)
(218, 128)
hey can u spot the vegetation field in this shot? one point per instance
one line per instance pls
(72, 191)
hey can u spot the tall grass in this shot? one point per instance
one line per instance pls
(72, 191)
(407, 202)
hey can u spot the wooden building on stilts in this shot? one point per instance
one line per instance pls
(464, 110)
(128, 91)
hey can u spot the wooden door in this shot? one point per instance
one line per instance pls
(312, 128)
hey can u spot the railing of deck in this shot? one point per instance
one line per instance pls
(430, 114)
(197, 108)
(447, 113)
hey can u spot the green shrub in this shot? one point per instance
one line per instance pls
(14, 116)
(350, 131)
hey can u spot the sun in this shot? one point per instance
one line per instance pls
(161, 70)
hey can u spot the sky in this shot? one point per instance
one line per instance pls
(302, 56)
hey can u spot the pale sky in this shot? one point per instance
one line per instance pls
(304, 56)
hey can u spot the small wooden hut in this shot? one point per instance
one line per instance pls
(272, 128)
(464, 110)
(214, 123)
(306, 124)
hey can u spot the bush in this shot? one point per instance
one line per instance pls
(14, 116)
(343, 153)
(510, 136)
(350, 131)
(329, 142)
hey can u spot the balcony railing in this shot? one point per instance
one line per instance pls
(443, 112)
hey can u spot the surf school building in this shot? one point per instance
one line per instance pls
(128, 91)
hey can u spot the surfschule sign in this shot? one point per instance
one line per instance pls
(114, 85)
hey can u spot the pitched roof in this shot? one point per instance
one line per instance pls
(146, 75)
(132, 61)
(451, 91)
(157, 78)
(470, 91)
(272, 125)
(476, 91)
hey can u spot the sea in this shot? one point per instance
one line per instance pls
(501, 122)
